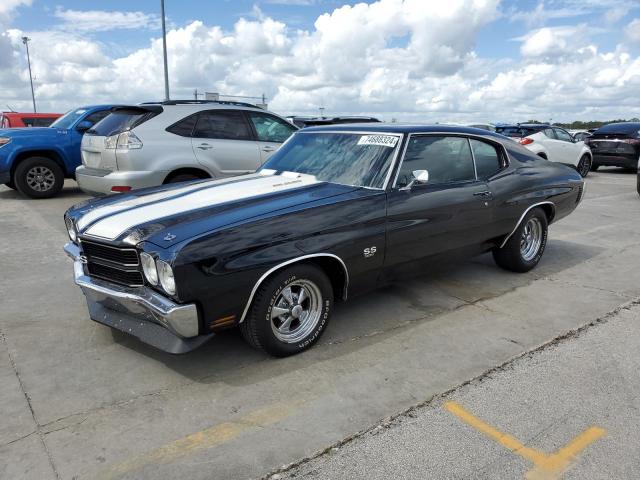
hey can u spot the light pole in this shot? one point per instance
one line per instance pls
(164, 52)
(26, 41)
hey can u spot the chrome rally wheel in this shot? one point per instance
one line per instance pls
(531, 239)
(296, 311)
(289, 311)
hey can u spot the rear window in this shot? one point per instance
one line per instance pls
(121, 120)
(516, 131)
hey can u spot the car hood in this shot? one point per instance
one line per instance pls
(29, 132)
(166, 216)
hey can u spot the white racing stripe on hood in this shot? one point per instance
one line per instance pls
(115, 225)
(107, 210)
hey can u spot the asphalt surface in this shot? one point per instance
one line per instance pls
(81, 401)
(585, 386)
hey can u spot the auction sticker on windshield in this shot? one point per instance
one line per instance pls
(382, 140)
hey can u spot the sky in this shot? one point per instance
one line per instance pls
(408, 60)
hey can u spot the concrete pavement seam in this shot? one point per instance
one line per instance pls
(387, 422)
(28, 400)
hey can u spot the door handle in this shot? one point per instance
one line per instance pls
(485, 193)
(204, 146)
(269, 149)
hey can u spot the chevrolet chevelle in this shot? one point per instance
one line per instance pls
(337, 211)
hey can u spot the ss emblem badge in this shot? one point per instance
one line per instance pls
(369, 252)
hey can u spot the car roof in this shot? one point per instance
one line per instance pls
(402, 128)
(624, 127)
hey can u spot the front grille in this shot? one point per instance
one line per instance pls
(97, 251)
(132, 278)
(115, 264)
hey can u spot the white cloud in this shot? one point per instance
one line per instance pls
(633, 30)
(101, 21)
(390, 58)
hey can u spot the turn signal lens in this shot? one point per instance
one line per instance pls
(71, 229)
(526, 141)
(166, 277)
(149, 268)
(4, 140)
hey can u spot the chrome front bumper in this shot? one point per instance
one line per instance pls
(139, 311)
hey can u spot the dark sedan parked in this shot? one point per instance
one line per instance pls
(616, 144)
(337, 211)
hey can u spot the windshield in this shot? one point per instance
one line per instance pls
(69, 118)
(358, 159)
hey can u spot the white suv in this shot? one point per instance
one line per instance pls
(552, 143)
(152, 144)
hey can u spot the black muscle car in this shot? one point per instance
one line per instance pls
(337, 211)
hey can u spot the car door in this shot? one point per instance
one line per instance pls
(449, 212)
(270, 131)
(223, 143)
(570, 150)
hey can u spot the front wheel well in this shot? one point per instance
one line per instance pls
(549, 210)
(38, 153)
(186, 171)
(330, 264)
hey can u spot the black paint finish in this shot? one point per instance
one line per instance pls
(220, 253)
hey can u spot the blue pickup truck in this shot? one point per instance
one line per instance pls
(35, 161)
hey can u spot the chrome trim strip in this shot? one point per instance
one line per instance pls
(289, 262)
(181, 319)
(506, 239)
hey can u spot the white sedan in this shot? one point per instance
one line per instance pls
(552, 143)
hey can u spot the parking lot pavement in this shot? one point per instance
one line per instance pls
(569, 410)
(81, 401)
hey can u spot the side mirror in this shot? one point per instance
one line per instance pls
(84, 125)
(419, 177)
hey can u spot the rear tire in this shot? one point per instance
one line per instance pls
(584, 165)
(10, 185)
(290, 311)
(525, 247)
(38, 177)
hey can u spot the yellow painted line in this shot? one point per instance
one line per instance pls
(546, 466)
(205, 439)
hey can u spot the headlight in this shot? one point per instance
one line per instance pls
(71, 229)
(149, 268)
(4, 140)
(166, 277)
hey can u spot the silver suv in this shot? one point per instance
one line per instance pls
(152, 144)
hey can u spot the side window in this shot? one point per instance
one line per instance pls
(562, 135)
(222, 124)
(270, 129)
(548, 132)
(487, 158)
(184, 127)
(447, 159)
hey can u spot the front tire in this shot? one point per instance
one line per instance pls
(290, 311)
(584, 165)
(38, 177)
(594, 166)
(524, 249)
